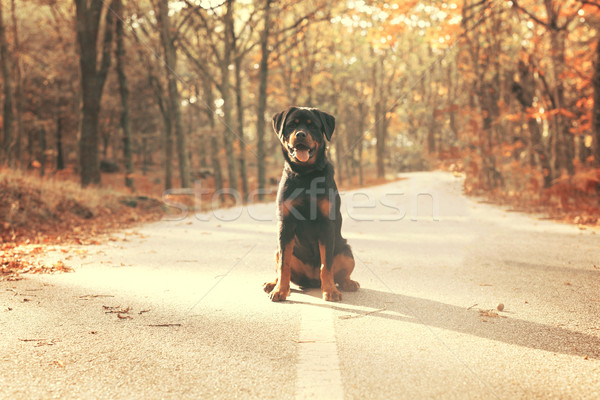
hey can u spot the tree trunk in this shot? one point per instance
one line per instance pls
(18, 87)
(8, 107)
(362, 115)
(340, 173)
(239, 58)
(124, 93)
(165, 112)
(174, 98)
(225, 89)
(379, 115)
(240, 124)
(563, 140)
(380, 145)
(525, 92)
(596, 109)
(563, 148)
(262, 100)
(60, 159)
(214, 143)
(168, 138)
(92, 82)
(43, 148)
(168, 127)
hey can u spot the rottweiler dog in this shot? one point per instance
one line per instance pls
(311, 249)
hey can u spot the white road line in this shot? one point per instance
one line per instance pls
(318, 372)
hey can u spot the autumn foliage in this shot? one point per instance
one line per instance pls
(38, 213)
(176, 92)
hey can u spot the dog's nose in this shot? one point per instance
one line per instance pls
(301, 134)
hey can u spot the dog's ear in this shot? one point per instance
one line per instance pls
(279, 121)
(328, 122)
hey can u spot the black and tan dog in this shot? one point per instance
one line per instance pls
(312, 251)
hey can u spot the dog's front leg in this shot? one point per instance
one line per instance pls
(286, 248)
(328, 289)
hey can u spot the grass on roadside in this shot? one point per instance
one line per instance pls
(45, 211)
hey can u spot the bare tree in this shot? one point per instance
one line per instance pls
(262, 98)
(18, 84)
(170, 53)
(93, 78)
(8, 96)
(124, 94)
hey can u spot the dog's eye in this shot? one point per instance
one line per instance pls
(296, 121)
(308, 121)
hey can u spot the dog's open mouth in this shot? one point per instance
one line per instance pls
(302, 152)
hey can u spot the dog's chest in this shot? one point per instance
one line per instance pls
(307, 208)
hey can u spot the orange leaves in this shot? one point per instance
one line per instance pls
(517, 117)
(37, 213)
(540, 114)
(17, 260)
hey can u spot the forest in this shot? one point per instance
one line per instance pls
(163, 94)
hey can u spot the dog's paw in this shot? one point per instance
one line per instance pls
(332, 295)
(349, 285)
(269, 286)
(279, 294)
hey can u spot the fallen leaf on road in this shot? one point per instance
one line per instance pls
(124, 316)
(41, 342)
(93, 296)
(116, 310)
(488, 313)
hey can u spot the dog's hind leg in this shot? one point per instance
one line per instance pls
(343, 265)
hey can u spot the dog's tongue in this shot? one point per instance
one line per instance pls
(302, 155)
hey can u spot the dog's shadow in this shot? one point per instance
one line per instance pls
(503, 328)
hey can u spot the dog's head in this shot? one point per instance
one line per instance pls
(302, 132)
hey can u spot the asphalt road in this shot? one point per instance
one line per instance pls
(175, 309)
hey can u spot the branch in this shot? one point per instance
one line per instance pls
(530, 14)
(590, 3)
(183, 45)
(183, 21)
(300, 20)
(545, 83)
(152, 79)
(212, 44)
(106, 46)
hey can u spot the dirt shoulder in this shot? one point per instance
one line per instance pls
(36, 213)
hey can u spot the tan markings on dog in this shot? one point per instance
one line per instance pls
(324, 207)
(342, 268)
(282, 289)
(288, 205)
(328, 289)
(303, 272)
(269, 286)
